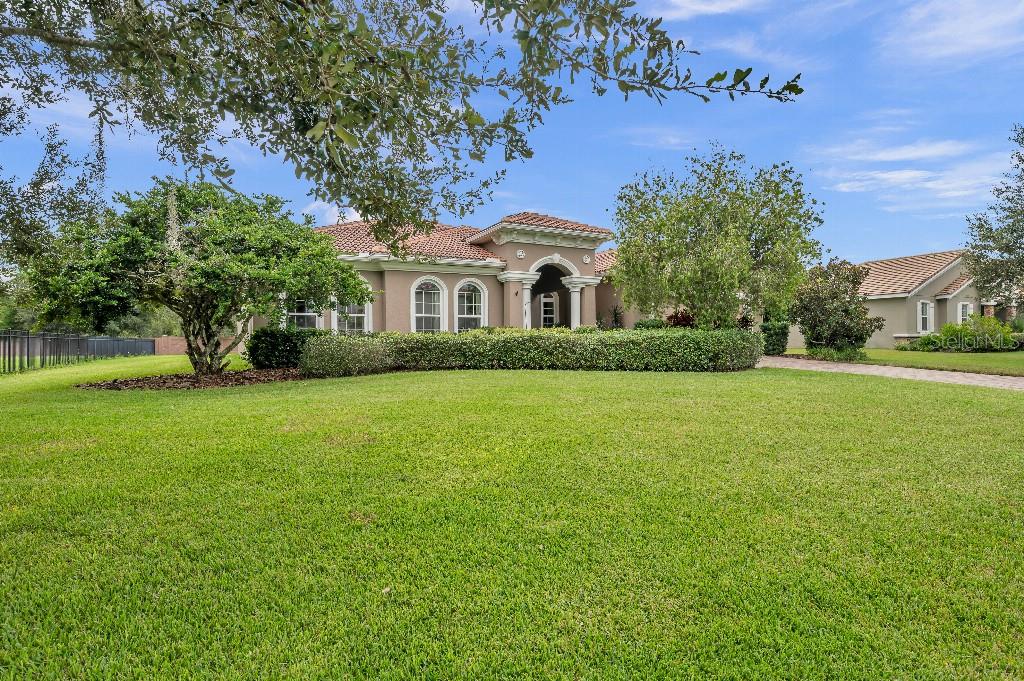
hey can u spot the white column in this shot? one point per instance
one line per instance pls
(574, 307)
(526, 304)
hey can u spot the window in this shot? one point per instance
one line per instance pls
(300, 317)
(469, 311)
(924, 317)
(427, 307)
(548, 318)
(353, 319)
(964, 311)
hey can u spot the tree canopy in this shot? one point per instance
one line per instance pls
(384, 106)
(215, 259)
(995, 246)
(721, 236)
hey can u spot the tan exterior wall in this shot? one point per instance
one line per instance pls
(896, 313)
(175, 345)
(397, 312)
(607, 297)
(534, 252)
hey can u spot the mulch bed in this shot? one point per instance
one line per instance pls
(193, 382)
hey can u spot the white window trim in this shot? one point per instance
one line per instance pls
(319, 317)
(483, 300)
(554, 308)
(368, 312)
(959, 310)
(931, 316)
(412, 301)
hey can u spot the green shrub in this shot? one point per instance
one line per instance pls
(346, 355)
(586, 329)
(1018, 341)
(830, 310)
(776, 337)
(650, 324)
(619, 350)
(277, 348)
(837, 354)
(1017, 324)
(929, 343)
(977, 334)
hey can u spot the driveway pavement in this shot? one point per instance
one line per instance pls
(934, 375)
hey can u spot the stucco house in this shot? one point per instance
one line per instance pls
(917, 294)
(528, 271)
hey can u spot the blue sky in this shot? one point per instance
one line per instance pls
(902, 129)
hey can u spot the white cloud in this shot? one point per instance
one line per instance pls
(687, 9)
(957, 30)
(329, 213)
(956, 188)
(749, 46)
(921, 150)
(657, 137)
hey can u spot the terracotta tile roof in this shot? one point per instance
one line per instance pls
(605, 260)
(956, 284)
(897, 276)
(538, 220)
(445, 241)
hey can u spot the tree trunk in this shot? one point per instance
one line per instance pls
(203, 345)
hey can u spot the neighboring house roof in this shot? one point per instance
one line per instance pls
(543, 221)
(954, 286)
(903, 276)
(604, 261)
(445, 241)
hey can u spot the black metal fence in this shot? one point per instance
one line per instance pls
(24, 350)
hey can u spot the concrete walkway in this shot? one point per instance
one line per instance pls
(934, 375)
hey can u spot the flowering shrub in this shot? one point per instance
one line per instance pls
(346, 355)
(647, 350)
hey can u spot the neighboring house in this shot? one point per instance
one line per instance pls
(917, 294)
(528, 270)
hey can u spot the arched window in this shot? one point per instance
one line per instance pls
(548, 310)
(427, 307)
(469, 306)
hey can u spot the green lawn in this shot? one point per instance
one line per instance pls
(1004, 363)
(1001, 363)
(760, 524)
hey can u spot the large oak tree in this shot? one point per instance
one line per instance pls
(385, 106)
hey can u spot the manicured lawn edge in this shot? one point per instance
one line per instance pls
(933, 361)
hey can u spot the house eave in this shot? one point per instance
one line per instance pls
(386, 261)
(505, 232)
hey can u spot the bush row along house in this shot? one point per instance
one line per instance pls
(527, 271)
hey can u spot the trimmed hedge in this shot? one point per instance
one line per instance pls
(277, 348)
(648, 324)
(619, 350)
(776, 337)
